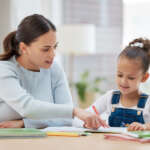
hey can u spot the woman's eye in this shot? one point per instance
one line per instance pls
(45, 50)
(55, 47)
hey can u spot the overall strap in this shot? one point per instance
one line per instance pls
(115, 97)
(142, 100)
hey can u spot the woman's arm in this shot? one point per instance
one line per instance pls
(60, 88)
(22, 102)
(25, 104)
(61, 95)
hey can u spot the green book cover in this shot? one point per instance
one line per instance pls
(21, 132)
(140, 134)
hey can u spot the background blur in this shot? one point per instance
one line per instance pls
(115, 23)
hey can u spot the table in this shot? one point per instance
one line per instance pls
(92, 142)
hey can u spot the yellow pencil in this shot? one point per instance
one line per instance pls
(69, 134)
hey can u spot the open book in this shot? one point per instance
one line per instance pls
(137, 136)
(108, 130)
(74, 129)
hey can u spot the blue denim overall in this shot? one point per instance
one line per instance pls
(121, 117)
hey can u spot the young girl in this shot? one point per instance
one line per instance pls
(128, 106)
(32, 84)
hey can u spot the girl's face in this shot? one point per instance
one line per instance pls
(40, 53)
(129, 75)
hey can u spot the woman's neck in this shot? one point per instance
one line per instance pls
(25, 62)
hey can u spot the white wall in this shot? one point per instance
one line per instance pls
(13, 11)
(4, 19)
(49, 8)
(106, 15)
(52, 9)
(136, 20)
(20, 9)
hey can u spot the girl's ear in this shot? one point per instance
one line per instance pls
(145, 77)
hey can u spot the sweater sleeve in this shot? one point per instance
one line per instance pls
(60, 88)
(61, 95)
(39, 124)
(25, 104)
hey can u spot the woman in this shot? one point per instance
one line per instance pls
(33, 88)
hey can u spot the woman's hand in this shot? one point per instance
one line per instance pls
(136, 126)
(91, 120)
(12, 124)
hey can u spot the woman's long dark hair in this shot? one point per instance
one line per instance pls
(30, 28)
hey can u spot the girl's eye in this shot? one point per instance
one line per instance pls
(131, 78)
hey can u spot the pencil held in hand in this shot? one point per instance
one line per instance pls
(95, 110)
(102, 122)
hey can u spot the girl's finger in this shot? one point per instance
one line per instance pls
(130, 128)
(141, 128)
(103, 123)
(137, 127)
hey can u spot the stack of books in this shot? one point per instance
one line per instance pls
(21, 132)
(138, 136)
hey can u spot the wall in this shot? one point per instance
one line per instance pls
(13, 11)
(49, 8)
(107, 16)
(5, 22)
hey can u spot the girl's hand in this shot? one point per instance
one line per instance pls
(136, 126)
(147, 126)
(91, 120)
(12, 124)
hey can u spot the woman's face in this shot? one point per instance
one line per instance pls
(41, 52)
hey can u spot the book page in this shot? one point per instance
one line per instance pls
(109, 130)
(64, 129)
(74, 129)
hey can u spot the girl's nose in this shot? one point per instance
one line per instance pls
(124, 80)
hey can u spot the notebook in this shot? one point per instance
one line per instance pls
(139, 134)
(125, 137)
(21, 132)
(108, 130)
(75, 129)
